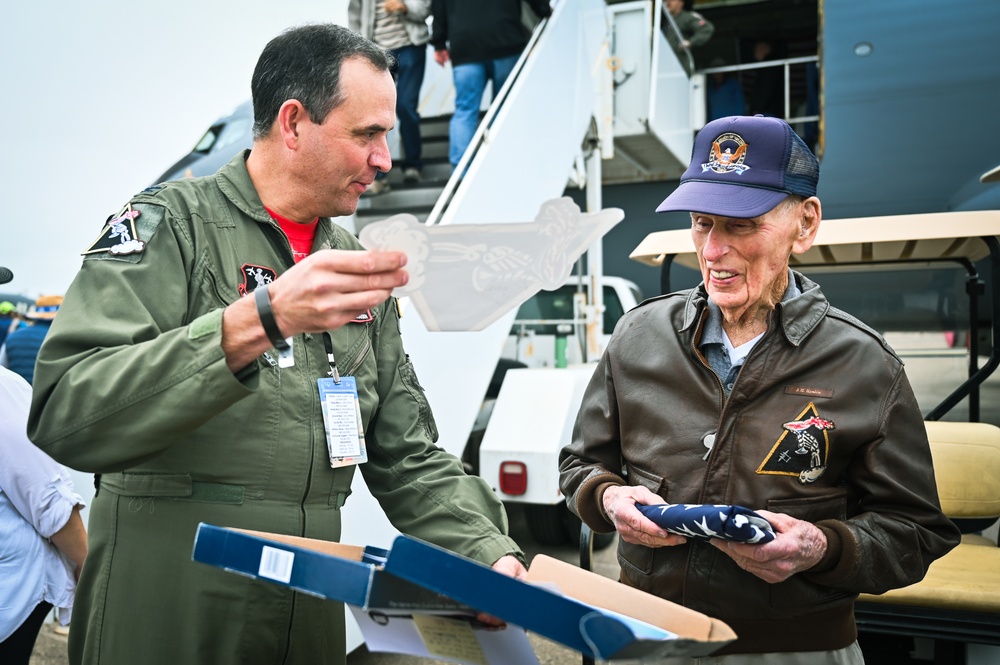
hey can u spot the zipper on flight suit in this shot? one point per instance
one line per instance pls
(360, 358)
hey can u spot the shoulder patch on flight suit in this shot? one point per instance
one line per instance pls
(125, 235)
(802, 449)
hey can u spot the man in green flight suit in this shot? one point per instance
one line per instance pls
(183, 369)
(695, 29)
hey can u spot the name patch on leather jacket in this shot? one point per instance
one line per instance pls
(806, 391)
(802, 449)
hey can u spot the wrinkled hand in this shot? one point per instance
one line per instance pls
(632, 526)
(797, 546)
(441, 56)
(329, 288)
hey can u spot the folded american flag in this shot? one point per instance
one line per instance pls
(708, 521)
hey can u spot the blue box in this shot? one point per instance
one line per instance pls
(584, 611)
(335, 571)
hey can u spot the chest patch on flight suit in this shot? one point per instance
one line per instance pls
(119, 236)
(363, 318)
(802, 449)
(252, 276)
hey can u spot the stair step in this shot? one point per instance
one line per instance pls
(435, 172)
(435, 128)
(402, 197)
(435, 149)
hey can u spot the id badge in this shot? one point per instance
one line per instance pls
(345, 434)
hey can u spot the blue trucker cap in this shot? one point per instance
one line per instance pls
(743, 166)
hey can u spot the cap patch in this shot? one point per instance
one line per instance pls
(252, 276)
(729, 151)
(802, 449)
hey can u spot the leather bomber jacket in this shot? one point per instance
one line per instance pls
(821, 424)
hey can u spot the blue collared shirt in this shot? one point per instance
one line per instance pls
(713, 340)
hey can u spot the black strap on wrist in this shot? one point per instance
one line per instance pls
(263, 300)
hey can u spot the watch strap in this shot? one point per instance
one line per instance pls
(263, 300)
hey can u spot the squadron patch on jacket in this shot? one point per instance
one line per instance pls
(363, 318)
(802, 449)
(119, 236)
(252, 276)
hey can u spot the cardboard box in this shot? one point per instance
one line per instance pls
(585, 611)
(579, 609)
(335, 571)
(394, 615)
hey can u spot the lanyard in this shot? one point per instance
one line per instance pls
(328, 343)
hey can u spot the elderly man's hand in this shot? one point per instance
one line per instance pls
(797, 546)
(632, 526)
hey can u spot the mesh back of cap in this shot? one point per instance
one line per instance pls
(802, 173)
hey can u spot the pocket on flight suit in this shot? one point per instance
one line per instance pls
(425, 418)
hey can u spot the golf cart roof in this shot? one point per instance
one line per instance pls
(929, 236)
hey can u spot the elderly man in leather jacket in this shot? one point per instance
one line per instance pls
(806, 414)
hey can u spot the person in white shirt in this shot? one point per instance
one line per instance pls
(43, 542)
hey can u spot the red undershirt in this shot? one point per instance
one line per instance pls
(300, 236)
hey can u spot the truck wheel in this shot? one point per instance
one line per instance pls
(573, 524)
(545, 522)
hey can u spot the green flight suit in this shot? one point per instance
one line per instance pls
(694, 27)
(132, 384)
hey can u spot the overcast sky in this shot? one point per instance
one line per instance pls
(101, 97)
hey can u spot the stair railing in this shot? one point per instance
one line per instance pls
(681, 48)
(786, 65)
(482, 130)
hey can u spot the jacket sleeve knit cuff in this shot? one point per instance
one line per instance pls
(590, 502)
(840, 562)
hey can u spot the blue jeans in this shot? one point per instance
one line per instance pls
(411, 61)
(470, 83)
